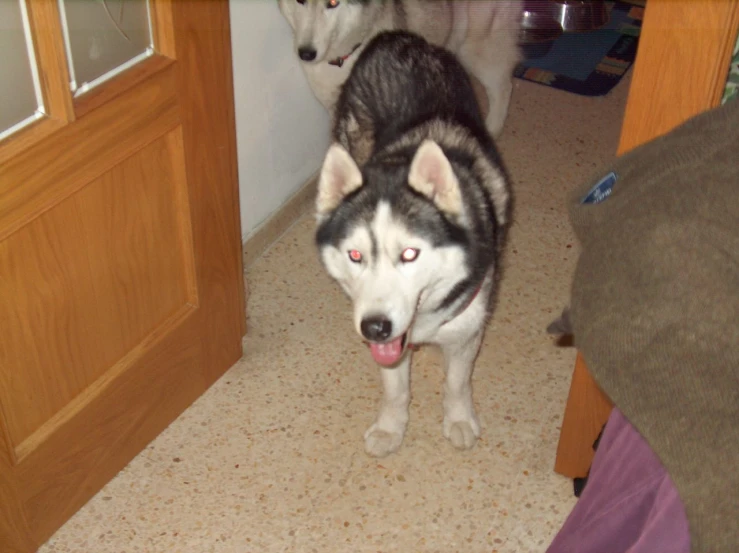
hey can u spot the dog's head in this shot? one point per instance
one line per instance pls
(388, 235)
(326, 29)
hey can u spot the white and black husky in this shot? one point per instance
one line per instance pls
(412, 208)
(329, 35)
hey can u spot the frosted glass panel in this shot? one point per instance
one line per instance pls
(18, 85)
(104, 36)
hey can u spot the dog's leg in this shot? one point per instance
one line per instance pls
(461, 426)
(500, 88)
(490, 52)
(386, 434)
(497, 78)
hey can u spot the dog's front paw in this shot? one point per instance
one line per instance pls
(380, 443)
(463, 434)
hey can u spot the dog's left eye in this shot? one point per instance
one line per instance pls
(332, 4)
(409, 254)
(355, 256)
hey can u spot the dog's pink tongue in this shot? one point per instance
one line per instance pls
(389, 353)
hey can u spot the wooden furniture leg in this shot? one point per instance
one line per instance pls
(586, 412)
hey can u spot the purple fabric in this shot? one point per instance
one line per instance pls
(629, 504)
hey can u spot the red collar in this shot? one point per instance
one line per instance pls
(466, 305)
(338, 62)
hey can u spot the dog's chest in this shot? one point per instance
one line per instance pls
(449, 327)
(427, 328)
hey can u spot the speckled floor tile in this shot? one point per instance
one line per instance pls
(271, 457)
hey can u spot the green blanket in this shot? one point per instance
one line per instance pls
(655, 308)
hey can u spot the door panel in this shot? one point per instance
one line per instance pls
(60, 165)
(116, 253)
(121, 288)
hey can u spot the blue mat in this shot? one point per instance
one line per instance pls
(590, 63)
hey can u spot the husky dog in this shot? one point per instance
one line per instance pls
(412, 207)
(329, 35)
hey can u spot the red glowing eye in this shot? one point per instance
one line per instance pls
(409, 254)
(355, 255)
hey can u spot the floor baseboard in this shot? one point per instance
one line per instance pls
(276, 224)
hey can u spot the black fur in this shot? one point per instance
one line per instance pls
(400, 87)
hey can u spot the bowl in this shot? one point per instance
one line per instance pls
(580, 15)
(538, 32)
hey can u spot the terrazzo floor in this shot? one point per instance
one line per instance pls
(271, 458)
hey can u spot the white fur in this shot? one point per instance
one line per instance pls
(339, 176)
(431, 174)
(483, 33)
(407, 294)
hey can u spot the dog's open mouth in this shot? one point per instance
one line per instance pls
(389, 353)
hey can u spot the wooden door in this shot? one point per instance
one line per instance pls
(121, 289)
(680, 70)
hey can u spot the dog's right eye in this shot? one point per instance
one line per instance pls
(301, 2)
(355, 256)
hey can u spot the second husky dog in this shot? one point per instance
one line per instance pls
(412, 208)
(329, 35)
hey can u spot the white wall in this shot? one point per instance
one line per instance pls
(282, 130)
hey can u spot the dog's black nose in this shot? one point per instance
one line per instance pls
(376, 329)
(307, 53)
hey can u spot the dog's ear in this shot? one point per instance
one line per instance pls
(432, 175)
(339, 177)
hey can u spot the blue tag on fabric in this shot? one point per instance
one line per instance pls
(601, 190)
